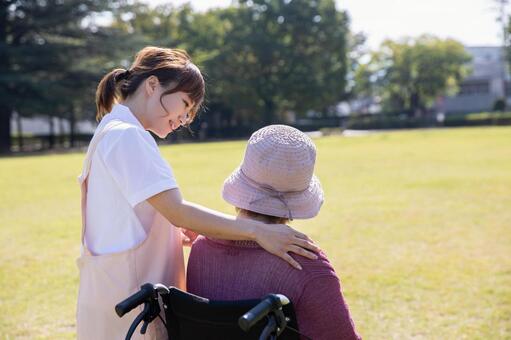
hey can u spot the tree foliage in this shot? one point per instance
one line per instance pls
(262, 59)
(47, 57)
(410, 74)
(281, 56)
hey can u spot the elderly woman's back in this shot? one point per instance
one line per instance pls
(233, 270)
(274, 184)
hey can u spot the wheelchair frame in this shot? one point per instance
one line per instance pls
(251, 320)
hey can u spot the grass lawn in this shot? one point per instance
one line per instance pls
(416, 223)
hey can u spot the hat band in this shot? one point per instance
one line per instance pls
(270, 192)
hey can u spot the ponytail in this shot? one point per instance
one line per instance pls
(107, 93)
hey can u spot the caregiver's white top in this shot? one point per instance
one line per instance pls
(126, 170)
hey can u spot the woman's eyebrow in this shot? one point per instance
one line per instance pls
(186, 103)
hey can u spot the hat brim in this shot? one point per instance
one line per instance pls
(302, 204)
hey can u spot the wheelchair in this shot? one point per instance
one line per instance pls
(189, 316)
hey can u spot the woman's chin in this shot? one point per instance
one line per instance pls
(161, 134)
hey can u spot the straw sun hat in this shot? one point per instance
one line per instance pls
(276, 176)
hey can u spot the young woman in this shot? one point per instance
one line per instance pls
(130, 198)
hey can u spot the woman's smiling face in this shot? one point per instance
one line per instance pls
(169, 114)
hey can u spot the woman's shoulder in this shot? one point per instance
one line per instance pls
(202, 246)
(199, 242)
(125, 136)
(117, 128)
(203, 242)
(315, 268)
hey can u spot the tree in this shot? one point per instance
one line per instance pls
(42, 47)
(279, 56)
(410, 74)
(260, 58)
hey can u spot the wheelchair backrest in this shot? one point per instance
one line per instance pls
(192, 317)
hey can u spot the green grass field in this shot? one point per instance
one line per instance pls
(417, 225)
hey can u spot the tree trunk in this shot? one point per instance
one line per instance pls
(72, 125)
(5, 107)
(51, 137)
(19, 128)
(5, 128)
(415, 105)
(61, 132)
(268, 115)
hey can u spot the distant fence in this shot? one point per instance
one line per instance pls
(383, 121)
(478, 119)
(244, 131)
(402, 121)
(315, 124)
(35, 143)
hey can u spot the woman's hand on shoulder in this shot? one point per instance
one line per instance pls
(280, 239)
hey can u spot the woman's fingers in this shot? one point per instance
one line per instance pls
(186, 241)
(301, 251)
(188, 237)
(302, 235)
(291, 261)
(307, 244)
(281, 239)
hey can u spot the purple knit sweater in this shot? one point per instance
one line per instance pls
(232, 270)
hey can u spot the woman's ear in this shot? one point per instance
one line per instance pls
(151, 83)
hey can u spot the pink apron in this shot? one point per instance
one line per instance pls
(105, 280)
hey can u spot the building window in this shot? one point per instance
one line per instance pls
(481, 87)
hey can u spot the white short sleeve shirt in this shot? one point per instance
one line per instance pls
(127, 169)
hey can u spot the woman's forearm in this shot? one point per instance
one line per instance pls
(201, 219)
(216, 224)
(278, 239)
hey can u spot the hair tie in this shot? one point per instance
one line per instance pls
(123, 75)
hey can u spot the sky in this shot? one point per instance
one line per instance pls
(472, 22)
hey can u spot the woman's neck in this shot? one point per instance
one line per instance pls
(137, 108)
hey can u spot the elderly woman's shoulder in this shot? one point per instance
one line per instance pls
(319, 267)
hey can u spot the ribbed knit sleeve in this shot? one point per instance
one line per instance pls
(322, 312)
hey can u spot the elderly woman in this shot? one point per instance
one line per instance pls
(274, 184)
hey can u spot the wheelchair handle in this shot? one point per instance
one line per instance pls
(144, 294)
(270, 303)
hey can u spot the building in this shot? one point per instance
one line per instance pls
(487, 82)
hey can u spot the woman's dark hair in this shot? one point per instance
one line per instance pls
(172, 67)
